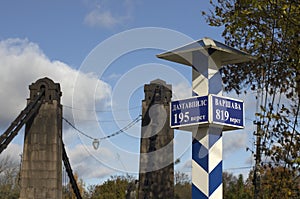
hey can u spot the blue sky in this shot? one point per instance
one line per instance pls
(64, 30)
(60, 38)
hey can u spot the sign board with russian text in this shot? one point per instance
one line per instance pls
(227, 111)
(203, 110)
(189, 111)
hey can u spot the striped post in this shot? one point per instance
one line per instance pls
(207, 164)
(207, 141)
(206, 57)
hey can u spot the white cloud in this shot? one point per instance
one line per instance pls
(23, 62)
(250, 160)
(233, 141)
(83, 161)
(181, 90)
(107, 14)
(12, 153)
(103, 19)
(113, 76)
(187, 166)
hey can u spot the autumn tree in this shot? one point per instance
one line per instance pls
(9, 178)
(270, 177)
(183, 186)
(270, 31)
(68, 192)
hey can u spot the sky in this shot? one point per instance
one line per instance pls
(102, 53)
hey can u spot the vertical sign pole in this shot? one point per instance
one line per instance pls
(206, 57)
(207, 141)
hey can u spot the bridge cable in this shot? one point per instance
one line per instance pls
(100, 110)
(70, 172)
(25, 115)
(128, 126)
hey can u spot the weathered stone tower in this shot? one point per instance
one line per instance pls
(156, 178)
(41, 171)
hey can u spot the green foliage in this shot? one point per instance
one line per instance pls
(269, 30)
(114, 188)
(235, 188)
(274, 182)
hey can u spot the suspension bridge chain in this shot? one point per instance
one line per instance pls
(70, 172)
(25, 115)
(128, 126)
(66, 159)
(29, 111)
(101, 111)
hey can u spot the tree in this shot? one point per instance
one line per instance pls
(183, 186)
(181, 178)
(270, 177)
(269, 30)
(235, 187)
(9, 178)
(114, 188)
(68, 192)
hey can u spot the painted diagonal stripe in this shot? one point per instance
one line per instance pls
(215, 178)
(215, 155)
(213, 71)
(214, 135)
(200, 178)
(218, 193)
(205, 140)
(197, 194)
(215, 83)
(200, 84)
(200, 62)
(200, 154)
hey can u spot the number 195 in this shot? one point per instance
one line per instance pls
(182, 117)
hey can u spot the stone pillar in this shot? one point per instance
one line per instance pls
(41, 170)
(156, 177)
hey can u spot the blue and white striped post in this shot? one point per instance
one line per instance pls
(207, 141)
(206, 57)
